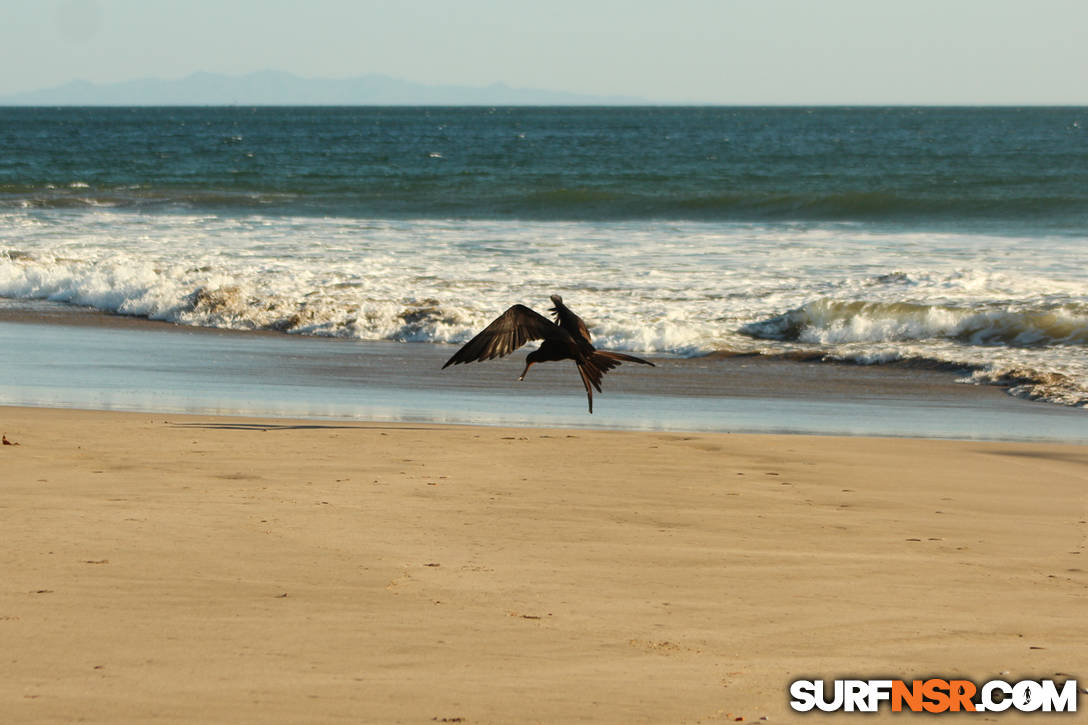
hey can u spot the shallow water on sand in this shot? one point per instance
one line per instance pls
(143, 366)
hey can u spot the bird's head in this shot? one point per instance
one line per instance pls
(556, 300)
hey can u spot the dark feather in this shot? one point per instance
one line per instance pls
(565, 339)
(589, 383)
(515, 327)
(569, 321)
(617, 357)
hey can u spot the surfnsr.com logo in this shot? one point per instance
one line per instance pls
(933, 695)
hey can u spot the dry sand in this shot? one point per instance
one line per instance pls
(183, 569)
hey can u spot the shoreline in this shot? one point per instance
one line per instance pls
(106, 362)
(166, 568)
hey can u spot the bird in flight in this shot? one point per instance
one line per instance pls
(565, 339)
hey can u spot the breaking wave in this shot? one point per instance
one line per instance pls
(209, 297)
(666, 288)
(832, 322)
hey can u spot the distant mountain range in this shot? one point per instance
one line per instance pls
(278, 88)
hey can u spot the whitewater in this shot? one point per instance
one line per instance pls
(1002, 308)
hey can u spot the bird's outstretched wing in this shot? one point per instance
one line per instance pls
(566, 319)
(515, 327)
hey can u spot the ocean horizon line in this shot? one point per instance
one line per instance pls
(680, 105)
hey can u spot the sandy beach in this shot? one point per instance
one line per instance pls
(167, 568)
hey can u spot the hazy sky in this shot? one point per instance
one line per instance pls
(705, 51)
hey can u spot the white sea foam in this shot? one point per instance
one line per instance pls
(834, 322)
(842, 290)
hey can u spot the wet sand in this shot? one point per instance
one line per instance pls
(165, 568)
(58, 358)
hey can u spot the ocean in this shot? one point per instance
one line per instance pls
(929, 238)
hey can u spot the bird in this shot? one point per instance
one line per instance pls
(567, 338)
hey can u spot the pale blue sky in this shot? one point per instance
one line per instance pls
(703, 51)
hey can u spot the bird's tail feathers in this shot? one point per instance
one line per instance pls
(607, 360)
(592, 372)
(591, 378)
(593, 367)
